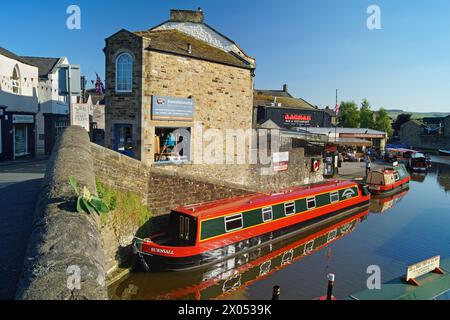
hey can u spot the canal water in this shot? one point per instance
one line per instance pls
(391, 233)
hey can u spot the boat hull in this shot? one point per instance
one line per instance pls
(444, 152)
(153, 263)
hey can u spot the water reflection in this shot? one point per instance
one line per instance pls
(241, 271)
(384, 204)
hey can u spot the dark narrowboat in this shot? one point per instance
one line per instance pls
(388, 180)
(419, 163)
(202, 234)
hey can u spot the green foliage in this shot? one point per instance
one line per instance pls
(366, 116)
(349, 115)
(383, 122)
(127, 206)
(401, 119)
(87, 202)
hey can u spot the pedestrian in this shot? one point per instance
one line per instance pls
(368, 165)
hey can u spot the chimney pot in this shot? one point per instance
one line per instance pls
(285, 88)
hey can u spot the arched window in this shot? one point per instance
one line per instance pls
(15, 80)
(124, 73)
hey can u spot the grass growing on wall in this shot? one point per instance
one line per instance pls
(126, 208)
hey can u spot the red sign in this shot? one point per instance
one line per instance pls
(281, 166)
(297, 118)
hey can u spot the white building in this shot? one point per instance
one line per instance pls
(53, 115)
(18, 106)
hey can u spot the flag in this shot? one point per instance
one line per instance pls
(99, 86)
(336, 109)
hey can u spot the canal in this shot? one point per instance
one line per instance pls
(392, 233)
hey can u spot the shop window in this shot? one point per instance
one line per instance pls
(172, 145)
(234, 223)
(20, 140)
(124, 73)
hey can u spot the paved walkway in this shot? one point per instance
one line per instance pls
(19, 187)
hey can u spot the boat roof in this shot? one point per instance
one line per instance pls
(401, 150)
(256, 200)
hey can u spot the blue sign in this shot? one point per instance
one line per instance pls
(173, 109)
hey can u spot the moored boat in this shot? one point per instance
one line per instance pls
(418, 162)
(207, 233)
(444, 152)
(388, 180)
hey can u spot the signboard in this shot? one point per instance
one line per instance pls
(421, 268)
(280, 161)
(80, 116)
(21, 118)
(297, 119)
(172, 109)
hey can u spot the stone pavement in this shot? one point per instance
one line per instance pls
(19, 187)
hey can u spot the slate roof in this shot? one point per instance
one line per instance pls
(274, 93)
(45, 65)
(175, 42)
(13, 56)
(286, 102)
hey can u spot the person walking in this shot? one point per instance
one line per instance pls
(368, 165)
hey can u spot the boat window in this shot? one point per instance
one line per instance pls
(311, 203)
(289, 208)
(233, 223)
(396, 176)
(334, 196)
(267, 214)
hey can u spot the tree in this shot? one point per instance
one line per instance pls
(366, 115)
(349, 115)
(401, 119)
(383, 122)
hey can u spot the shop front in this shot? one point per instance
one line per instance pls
(173, 119)
(17, 135)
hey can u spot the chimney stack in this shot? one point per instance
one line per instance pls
(187, 16)
(285, 88)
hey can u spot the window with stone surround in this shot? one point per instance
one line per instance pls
(124, 73)
(15, 80)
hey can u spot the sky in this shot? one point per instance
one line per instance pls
(315, 47)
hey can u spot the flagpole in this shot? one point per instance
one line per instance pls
(337, 114)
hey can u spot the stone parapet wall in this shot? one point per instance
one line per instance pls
(63, 242)
(121, 172)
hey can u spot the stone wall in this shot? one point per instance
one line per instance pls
(412, 134)
(64, 242)
(121, 172)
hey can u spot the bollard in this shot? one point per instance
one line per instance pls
(276, 293)
(330, 278)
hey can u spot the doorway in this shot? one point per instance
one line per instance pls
(123, 139)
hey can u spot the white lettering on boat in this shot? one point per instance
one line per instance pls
(163, 251)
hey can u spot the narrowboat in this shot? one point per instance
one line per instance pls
(206, 233)
(224, 278)
(388, 180)
(418, 162)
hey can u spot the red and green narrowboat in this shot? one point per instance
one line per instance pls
(202, 234)
(388, 180)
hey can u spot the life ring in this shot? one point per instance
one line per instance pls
(316, 165)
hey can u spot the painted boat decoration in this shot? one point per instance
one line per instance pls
(388, 180)
(444, 152)
(229, 276)
(204, 234)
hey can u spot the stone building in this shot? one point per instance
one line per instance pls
(170, 78)
(426, 134)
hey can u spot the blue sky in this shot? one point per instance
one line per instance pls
(313, 46)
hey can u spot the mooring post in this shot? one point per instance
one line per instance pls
(276, 293)
(330, 278)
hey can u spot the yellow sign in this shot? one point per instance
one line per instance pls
(421, 268)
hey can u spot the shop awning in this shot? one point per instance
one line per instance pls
(352, 142)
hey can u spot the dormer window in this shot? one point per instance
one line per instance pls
(15, 80)
(124, 73)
